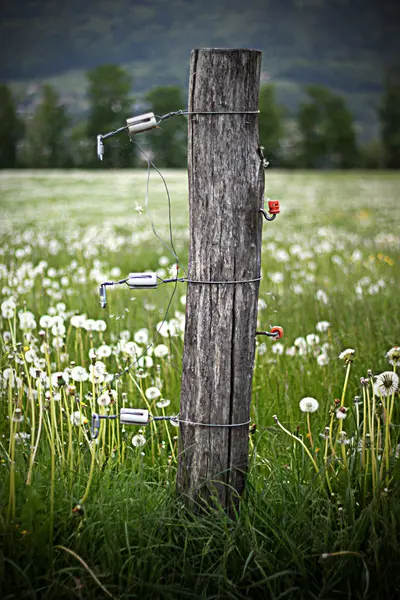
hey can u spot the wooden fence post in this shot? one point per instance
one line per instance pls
(226, 185)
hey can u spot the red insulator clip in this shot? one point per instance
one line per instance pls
(273, 207)
(277, 332)
(273, 210)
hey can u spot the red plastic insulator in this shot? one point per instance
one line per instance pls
(273, 207)
(278, 331)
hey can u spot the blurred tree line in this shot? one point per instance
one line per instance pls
(321, 135)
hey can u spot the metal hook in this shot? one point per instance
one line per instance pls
(276, 332)
(100, 147)
(266, 216)
(273, 210)
(103, 296)
(94, 430)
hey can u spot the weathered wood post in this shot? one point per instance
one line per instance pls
(226, 184)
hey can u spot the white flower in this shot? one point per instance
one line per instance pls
(59, 378)
(100, 325)
(142, 336)
(18, 417)
(152, 393)
(261, 304)
(58, 329)
(138, 208)
(46, 321)
(77, 418)
(347, 355)
(79, 374)
(386, 383)
(163, 261)
(8, 308)
(125, 335)
(309, 404)
(138, 440)
(322, 360)
(163, 403)
(323, 326)
(277, 348)
(27, 320)
(37, 373)
(175, 327)
(162, 328)
(298, 289)
(341, 412)
(104, 399)
(131, 349)
(30, 356)
(78, 321)
(173, 271)
(321, 296)
(58, 342)
(277, 277)
(393, 355)
(145, 362)
(21, 436)
(261, 349)
(291, 351)
(300, 342)
(312, 339)
(103, 351)
(7, 312)
(89, 325)
(161, 350)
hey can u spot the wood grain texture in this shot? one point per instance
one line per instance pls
(226, 185)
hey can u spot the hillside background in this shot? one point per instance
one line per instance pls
(343, 44)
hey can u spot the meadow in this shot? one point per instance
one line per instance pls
(97, 518)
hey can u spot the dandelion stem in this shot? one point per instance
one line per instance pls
(300, 441)
(346, 379)
(372, 434)
(364, 428)
(309, 430)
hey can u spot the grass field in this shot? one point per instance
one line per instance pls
(84, 519)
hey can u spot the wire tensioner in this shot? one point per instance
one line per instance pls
(134, 281)
(133, 125)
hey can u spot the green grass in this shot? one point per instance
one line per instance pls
(332, 255)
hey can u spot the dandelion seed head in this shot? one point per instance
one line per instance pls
(138, 440)
(309, 404)
(163, 403)
(322, 326)
(152, 393)
(393, 355)
(386, 383)
(347, 355)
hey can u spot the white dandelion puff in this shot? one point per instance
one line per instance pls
(138, 440)
(152, 393)
(79, 374)
(386, 383)
(322, 326)
(309, 405)
(163, 403)
(161, 351)
(347, 355)
(393, 355)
